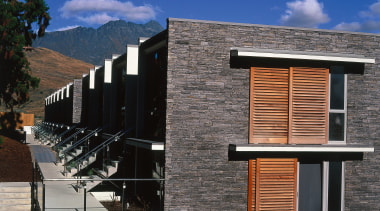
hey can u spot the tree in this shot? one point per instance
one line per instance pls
(17, 19)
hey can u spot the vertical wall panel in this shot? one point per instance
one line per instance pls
(276, 184)
(269, 105)
(308, 121)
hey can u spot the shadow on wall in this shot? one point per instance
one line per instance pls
(11, 123)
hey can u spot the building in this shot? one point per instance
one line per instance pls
(242, 116)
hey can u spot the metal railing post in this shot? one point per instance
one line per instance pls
(85, 180)
(84, 199)
(32, 190)
(64, 165)
(123, 197)
(37, 194)
(43, 196)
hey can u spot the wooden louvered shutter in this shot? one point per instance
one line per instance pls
(252, 185)
(308, 102)
(276, 183)
(269, 105)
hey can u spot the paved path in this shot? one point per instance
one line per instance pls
(59, 195)
(43, 154)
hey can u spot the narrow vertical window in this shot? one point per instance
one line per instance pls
(335, 185)
(337, 111)
(310, 186)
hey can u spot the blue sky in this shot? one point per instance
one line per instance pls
(347, 15)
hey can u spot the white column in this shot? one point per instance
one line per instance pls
(68, 90)
(132, 59)
(62, 91)
(92, 79)
(108, 71)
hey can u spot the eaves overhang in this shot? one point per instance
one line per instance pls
(299, 55)
(300, 148)
(145, 144)
(323, 152)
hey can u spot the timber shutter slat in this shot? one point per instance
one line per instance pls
(308, 99)
(269, 105)
(276, 184)
(272, 184)
(289, 105)
(252, 185)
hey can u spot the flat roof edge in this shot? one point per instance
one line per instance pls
(271, 26)
(302, 55)
(301, 148)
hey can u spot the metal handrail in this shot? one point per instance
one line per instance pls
(39, 124)
(84, 180)
(102, 145)
(70, 137)
(43, 130)
(66, 131)
(82, 140)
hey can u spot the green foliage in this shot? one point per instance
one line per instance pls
(1, 140)
(90, 172)
(16, 31)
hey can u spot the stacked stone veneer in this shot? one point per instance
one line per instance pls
(77, 100)
(208, 109)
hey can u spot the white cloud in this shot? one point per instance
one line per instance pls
(370, 22)
(102, 11)
(374, 10)
(354, 26)
(97, 18)
(367, 26)
(304, 13)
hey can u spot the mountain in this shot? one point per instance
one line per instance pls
(55, 71)
(95, 45)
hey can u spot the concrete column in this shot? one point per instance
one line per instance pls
(132, 59)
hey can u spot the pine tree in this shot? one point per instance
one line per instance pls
(20, 23)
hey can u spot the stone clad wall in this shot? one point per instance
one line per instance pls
(208, 109)
(77, 100)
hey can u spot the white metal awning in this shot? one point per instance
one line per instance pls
(146, 144)
(300, 55)
(301, 148)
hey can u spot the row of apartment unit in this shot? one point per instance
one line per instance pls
(239, 116)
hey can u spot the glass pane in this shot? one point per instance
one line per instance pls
(310, 187)
(337, 88)
(336, 126)
(335, 185)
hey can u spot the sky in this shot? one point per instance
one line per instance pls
(346, 15)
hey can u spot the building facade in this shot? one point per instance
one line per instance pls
(252, 117)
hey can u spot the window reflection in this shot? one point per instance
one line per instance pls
(336, 125)
(337, 104)
(337, 88)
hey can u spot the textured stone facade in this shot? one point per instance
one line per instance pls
(77, 100)
(208, 109)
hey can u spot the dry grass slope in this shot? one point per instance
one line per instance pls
(55, 71)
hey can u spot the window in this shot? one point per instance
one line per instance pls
(289, 105)
(275, 183)
(338, 105)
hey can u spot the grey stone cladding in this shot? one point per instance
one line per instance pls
(208, 109)
(77, 100)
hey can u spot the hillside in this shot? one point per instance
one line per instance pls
(95, 45)
(55, 71)
(56, 67)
